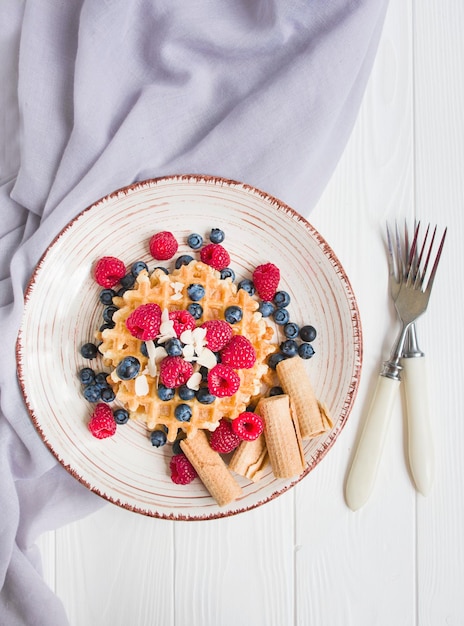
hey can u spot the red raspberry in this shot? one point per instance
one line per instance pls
(108, 271)
(223, 381)
(183, 320)
(102, 423)
(182, 471)
(215, 255)
(266, 280)
(175, 371)
(144, 323)
(238, 353)
(163, 246)
(218, 334)
(223, 439)
(248, 426)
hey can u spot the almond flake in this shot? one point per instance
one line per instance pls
(141, 385)
(207, 358)
(194, 381)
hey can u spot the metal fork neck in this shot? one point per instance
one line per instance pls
(392, 368)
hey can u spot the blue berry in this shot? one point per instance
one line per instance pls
(195, 310)
(233, 314)
(176, 449)
(308, 333)
(195, 241)
(86, 375)
(89, 350)
(185, 393)
(106, 325)
(121, 416)
(128, 368)
(106, 296)
(266, 308)
(291, 330)
(107, 394)
(143, 349)
(196, 292)
(166, 393)
(247, 285)
(158, 438)
(173, 347)
(289, 347)
(183, 259)
(138, 267)
(204, 396)
(108, 313)
(305, 350)
(100, 379)
(92, 393)
(281, 299)
(216, 235)
(228, 272)
(281, 316)
(183, 412)
(276, 391)
(274, 359)
(128, 281)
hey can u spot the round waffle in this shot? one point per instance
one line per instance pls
(169, 291)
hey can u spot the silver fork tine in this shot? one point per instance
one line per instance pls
(437, 260)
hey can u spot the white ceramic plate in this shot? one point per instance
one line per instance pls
(62, 312)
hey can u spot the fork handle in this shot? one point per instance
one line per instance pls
(363, 472)
(420, 439)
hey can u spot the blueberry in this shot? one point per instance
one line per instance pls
(166, 393)
(158, 438)
(281, 299)
(138, 267)
(281, 316)
(173, 347)
(196, 292)
(121, 292)
(121, 416)
(185, 393)
(266, 308)
(195, 310)
(92, 393)
(108, 313)
(247, 285)
(100, 379)
(106, 325)
(276, 391)
(216, 235)
(289, 347)
(128, 281)
(305, 350)
(183, 412)
(204, 396)
(163, 269)
(195, 241)
(308, 333)
(89, 350)
(107, 394)
(274, 359)
(183, 259)
(86, 376)
(106, 296)
(128, 368)
(228, 272)
(176, 449)
(143, 349)
(233, 314)
(291, 330)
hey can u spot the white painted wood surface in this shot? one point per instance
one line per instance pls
(305, 558)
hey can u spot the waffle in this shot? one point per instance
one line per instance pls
(169, 291)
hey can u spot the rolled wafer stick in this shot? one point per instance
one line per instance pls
(312, 416)
(250, 459)
(211, 469)
(282, 438)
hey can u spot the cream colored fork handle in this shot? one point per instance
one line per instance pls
(420, 440)
(363, 471)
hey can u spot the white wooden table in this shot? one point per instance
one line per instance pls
(305, 558)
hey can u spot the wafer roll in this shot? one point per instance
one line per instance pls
(312, 417)
(211, 469)
(282, 438)
(250, 459)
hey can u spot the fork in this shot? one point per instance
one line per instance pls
(413, 294)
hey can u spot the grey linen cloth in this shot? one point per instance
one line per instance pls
(97, 94)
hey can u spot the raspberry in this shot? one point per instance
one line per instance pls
(248, 426)
(223, 439)
(238, 353)
(102, 423)
(218, 334)
(144, 323)
(108, 271)
(183, 320)
(223, 381)
(182, 471)
(266, 279)
(163, 245)
(215, 255)
(175, 371)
